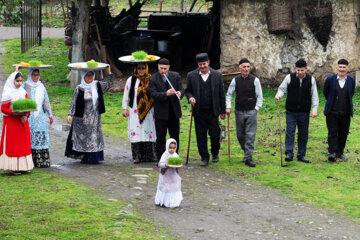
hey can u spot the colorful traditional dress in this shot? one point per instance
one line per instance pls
(85, 140)
(38, 121)
(168, 192)
(15, 148)
(141, 123)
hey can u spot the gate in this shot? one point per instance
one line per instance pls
(30, 24)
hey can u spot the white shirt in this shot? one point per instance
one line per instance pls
(205, 76)
(341, 81)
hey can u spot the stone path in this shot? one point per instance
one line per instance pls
(14, 32)
(214, 206)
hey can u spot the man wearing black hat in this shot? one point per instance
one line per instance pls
(301, 94)
(338, 90)
(248, 101)
(166, 104)
(205, 92)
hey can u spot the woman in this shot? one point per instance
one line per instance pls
(137, 106)
(85, 140)
(40, 142)
(15, 148)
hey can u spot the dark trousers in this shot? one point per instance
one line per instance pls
(301, 120)
(206, 122)
(173, 125)
(338, 130)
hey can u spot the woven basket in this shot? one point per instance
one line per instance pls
(279, 17)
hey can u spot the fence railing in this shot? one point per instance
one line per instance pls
(30, 24)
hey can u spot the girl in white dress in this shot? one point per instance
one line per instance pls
(168, 192)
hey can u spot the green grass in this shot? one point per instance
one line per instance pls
(44, 205)
(330, 186)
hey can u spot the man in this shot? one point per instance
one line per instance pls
(301, 94)
(205, 92)
(248, 101)
(338, 90)
(166, 104)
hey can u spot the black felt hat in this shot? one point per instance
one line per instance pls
(202, 57)
(164, 61)
(343, 61)
(244, 60)
(301, 63)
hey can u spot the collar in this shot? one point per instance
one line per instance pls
(207, 74)
(301, 78)
(339, 79)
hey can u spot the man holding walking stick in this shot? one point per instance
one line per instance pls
(205, 92)
(301, 94)
(166, 89)
(248, 101)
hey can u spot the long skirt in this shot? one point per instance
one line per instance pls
(143, 151)
(41, 157)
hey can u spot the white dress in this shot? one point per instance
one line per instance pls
(168, 192)
(144, 132)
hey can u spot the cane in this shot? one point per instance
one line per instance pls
(170, 84)
(280, 135)
(228, 136)
(188, 150)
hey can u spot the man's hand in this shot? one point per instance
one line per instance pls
(192, 101)
(170, 92)
(277, 98)
(69, 119)
(178, 93)
(228, 111)
(222, 116)
(313, 115)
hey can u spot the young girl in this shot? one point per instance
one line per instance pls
(15, 148)
(168, 192)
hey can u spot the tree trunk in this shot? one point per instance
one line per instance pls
(80, 24)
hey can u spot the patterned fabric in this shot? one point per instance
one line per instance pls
(41, 158)
(144, 151)
(144, 99)
(39, 124)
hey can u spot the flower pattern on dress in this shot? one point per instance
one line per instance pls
(135, 111)
(133, 134)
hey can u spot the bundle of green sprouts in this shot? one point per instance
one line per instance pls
(175, 161)
(139, 55)
(24, 105)
(35, 63)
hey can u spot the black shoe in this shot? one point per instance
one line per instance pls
(303, 159)
(250, 163)
(243, 160)
(288, 157)
(204, 163)
(215, 158)
(332, 157)
(342, 157)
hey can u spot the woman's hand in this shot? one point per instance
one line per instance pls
(69, 119)
(51, 118)
(125, 113)
(23, 119)
(108, 69)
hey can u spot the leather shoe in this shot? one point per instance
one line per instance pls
(303, 159)
(215, 158)
(342, 157)
(332, 157)
(288, 157)
(204, 163)
(250, 163)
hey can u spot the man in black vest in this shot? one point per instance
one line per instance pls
(301, 94)
(338, 90)
(166, 104)
(248, 101)
(205, 92)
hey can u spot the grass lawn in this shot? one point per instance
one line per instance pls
(330, 186)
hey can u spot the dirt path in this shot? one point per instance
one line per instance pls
(214, 207)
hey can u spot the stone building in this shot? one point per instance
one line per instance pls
(244, 33)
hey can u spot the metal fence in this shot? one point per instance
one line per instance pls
(30, 24)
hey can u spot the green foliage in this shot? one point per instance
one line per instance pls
(10, 11)
(175, 161)
(139, 55)
(24, 105)
(35, 63)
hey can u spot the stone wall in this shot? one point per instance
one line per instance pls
(244, 33)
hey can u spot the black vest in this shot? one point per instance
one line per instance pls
(205, 93)
(299, 98)
(80, 102)
(341, 101)
(245, 93)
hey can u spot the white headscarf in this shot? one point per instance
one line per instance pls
(10, 92)
(92, 86)
(168, 142)
(39, 92)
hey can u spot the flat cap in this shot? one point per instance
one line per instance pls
(164, 61)
(202, 57)
(244, 60)
(300, 63)
(343, 61)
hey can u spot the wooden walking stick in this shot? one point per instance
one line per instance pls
(280, 135)
(188, 150)
(228, 136)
